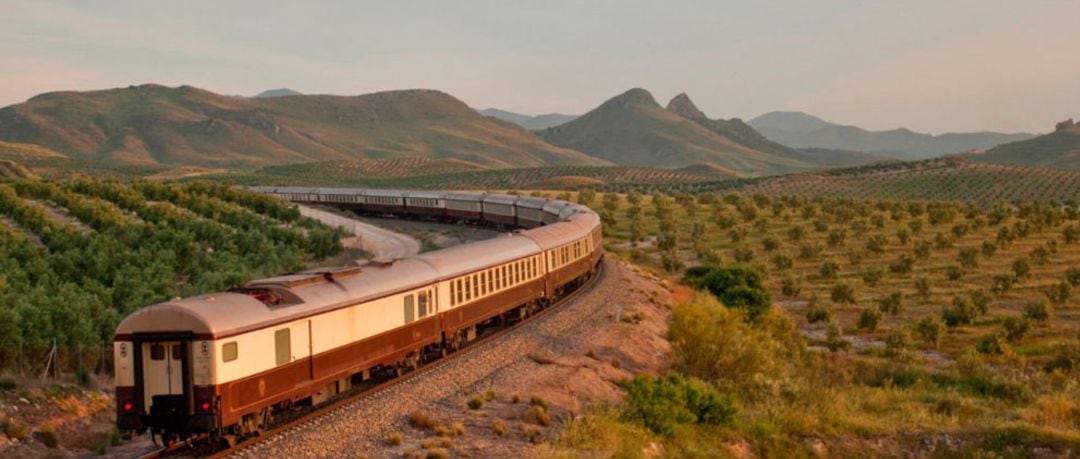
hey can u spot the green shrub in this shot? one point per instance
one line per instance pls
(815, 314)
(828, 270)
(1038, 311)
(663, 404)
(1065, 360)
(715, 343)
(892, 303)
(736, 287)
(1015, 328)
(475, 403)
(896, 343)
(992, 343)
(791, 286)
(930, 330)
(869, 319)
(834, 339)
(842, 293)
(1059, 293)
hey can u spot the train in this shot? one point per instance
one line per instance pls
(225, 364)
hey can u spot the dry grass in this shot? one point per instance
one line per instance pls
(421, 420)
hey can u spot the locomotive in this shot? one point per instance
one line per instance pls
(225, 363)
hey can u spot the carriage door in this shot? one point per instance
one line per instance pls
(163, 377)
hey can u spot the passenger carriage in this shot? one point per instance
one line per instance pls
(224, 362)
(425, 203)
(499, 209)
(383, 201)
(552, 210)
(530, 211)
(464, 205)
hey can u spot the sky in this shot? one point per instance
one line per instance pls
(931, 66)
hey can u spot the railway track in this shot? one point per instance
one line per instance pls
(195, 446)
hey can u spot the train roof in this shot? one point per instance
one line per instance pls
(265, 302)
(452, 261)
(531, 202)
(297, 295)
(471, 197)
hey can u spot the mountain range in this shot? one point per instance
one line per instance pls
(153, 125)
(529, 122)
(800, 130)
(633, 129)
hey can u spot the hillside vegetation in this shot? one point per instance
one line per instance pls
(1060, 148)
(944, 179)
(77, 257)
(157, 125)
(850, 327)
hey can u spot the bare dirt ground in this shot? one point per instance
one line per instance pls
(434, 235)
(36, 413)
(567, 360)
(379, 242)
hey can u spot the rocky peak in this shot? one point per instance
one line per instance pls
(683, 106)
(1064, 125)
(634, 96)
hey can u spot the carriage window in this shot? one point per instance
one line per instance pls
(283, 346)
(176, 354)
(229, 352)
(483, 283)
(468, 288)
(459, 293)
(421, 304)
(157, 352)
(409, 308)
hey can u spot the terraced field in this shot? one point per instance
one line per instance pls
(77, 257)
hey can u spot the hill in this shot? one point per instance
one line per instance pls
(632, 129)
(276, 93)
(529, 122)
(799, 130)
(157, 125)
(1060, 148)
(745, 135)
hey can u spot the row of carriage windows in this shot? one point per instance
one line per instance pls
(492, 280)
(422, 304)
(570, 252)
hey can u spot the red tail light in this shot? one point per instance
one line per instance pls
(128, 406)
(206, 406)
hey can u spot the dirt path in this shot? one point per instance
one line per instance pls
(379, 242)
